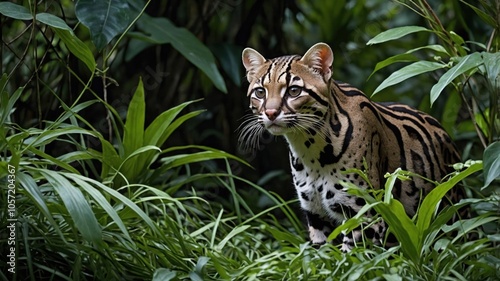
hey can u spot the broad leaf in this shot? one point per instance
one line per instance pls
(77, 48)
(491, 67)
(65, 33)
(162, 31)
(407, 72)
(407, 56)
(435, 48)
(491, 161)
(109, 158)
(430, 202)
(229, 56)
(133, 136)
(155, 132)
(394, 59)
(160, 129)
(15, 11)
(132, 166)
(466, 63)
(395, 33)
(104, 18)
(53, 21)
(401, 226)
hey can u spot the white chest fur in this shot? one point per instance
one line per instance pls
(318, 186)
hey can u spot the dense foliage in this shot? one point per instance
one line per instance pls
(119, 158)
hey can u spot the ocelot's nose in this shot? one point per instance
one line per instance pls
(272, 114)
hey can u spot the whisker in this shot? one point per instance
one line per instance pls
(250, 132)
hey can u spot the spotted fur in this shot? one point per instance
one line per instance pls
(330, 127)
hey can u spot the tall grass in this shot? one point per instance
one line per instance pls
(74, 224)
(127, 206)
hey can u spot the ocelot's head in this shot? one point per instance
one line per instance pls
(287, 94)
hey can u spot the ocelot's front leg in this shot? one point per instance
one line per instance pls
(319, 228)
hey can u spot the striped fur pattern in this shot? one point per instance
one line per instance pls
(331, 127)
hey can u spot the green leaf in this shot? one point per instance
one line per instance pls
(407, 56)
(395, 33)
(50, 159)
(491, 161)
(131, 166)
(451, 112)
(36, 198)
(466, 63)
(77, 206)
(50, 135)
(104, 18)
(237, 230)
(164, 274)
(70, 112)
(160, 129)
(162, 31)
(7, 103)
(347, 226)
(483, 15)
(109, 158)
(133, 136)
(430, 202)
(401, 226)
(407, 72)
(77, 48)
(125, 202)
(53, 21)
(492, 71)
(183, 159)
(100, 200)
(155, 132)
(15, 11)
(394, 59)
(435, 48)
(229, 56)
(3, 82)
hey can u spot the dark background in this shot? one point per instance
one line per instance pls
(273, 28)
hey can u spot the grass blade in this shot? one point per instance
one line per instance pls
(77, 206)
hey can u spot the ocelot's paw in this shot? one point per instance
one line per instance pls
(317, 236)
(347, 244)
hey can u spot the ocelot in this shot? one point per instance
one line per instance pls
(330, 127)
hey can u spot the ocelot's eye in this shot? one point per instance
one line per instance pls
(294, 91)
(260, 92)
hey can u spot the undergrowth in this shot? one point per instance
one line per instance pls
(118, 201)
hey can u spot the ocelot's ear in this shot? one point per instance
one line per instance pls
(251, 60)
(320, 58)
